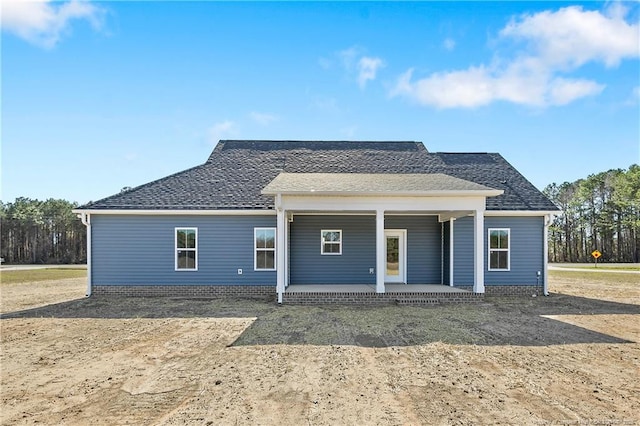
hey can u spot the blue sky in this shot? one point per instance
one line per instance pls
(103, 95)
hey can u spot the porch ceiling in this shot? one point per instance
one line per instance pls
(382, 184)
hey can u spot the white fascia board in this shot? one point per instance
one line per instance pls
(395, 204)
(521, 212)
(434, 193)
(176, 212)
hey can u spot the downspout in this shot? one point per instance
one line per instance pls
(545, 281)
(441, 253)
(86, 221)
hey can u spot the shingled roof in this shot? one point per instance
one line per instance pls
(238, 170)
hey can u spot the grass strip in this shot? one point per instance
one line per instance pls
(35, 275)
(602, 266)
(595, 277)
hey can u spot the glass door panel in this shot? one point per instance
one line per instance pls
(393, 256)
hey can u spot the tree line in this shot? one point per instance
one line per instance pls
(36, 231)
(601, 212)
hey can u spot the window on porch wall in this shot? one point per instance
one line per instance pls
(331, 242)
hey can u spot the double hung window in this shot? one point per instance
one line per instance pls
(186, 245)
(264, 248)
(331, 241)
(499, 251)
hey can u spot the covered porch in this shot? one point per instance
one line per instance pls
(376, 199)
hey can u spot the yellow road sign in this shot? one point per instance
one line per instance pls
(596, 254)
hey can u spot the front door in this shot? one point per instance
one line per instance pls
(394, 247)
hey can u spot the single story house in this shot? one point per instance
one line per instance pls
(339, 220)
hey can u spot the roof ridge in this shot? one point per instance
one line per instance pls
(321, 140)
(463, 152)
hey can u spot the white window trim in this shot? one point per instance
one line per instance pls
(322, 242)
(508, 250)
(176, 248)
(255, 249)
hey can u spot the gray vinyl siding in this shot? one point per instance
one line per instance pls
(140, 250)
(446, 228)
(463, 251)
(526, 254)
(424, 247)
(308, 266)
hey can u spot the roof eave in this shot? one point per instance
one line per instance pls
(510, 213)
(434, 193)
(174, 212)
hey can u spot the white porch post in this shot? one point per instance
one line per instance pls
(86, 221)
(451, 251)
(380, 254)
(286, 249)
(478, 224)
(545, 282)
(281, 248)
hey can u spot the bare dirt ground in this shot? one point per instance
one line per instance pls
(570, 358)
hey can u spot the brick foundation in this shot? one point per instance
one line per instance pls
(266, 292)
(509, 290)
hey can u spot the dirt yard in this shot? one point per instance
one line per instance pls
(571, 358)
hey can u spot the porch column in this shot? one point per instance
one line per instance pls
(478, 258)
(287, 230)
(451, 251)
(86, 221)
(545, 249)
(281, 251)
(380, 252)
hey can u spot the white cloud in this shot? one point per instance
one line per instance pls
(634, 97)
(558, 43)
(449, 44)
(468, 88)
(222, 130)
(43, 24)
(563, 91)
(349, 56)
(262, 118)
(572, 36)
(367, 69)
(480, 86)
